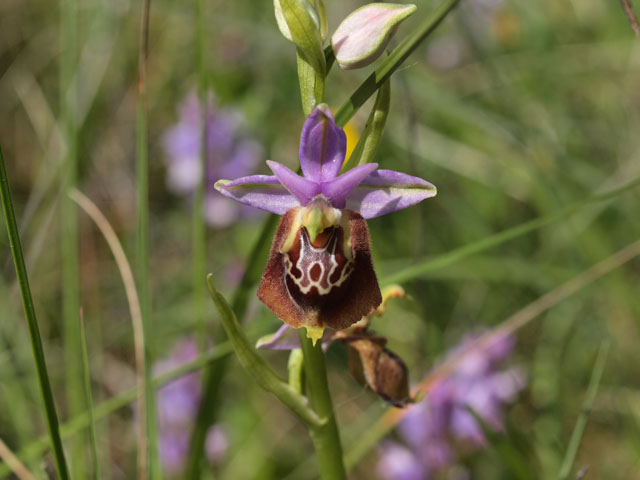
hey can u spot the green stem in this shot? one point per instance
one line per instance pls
(311, 84)
(148, 464)
(32, 323)
(326, 439)
(199, 229)
(69, 225)
(89, 400)
(391, 63)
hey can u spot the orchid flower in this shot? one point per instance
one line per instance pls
(319, 272)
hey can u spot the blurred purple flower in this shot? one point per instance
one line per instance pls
(230, 153)
(177, 407)
(432, 426)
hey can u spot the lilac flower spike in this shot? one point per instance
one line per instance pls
(432, 429)
(323, 148)
(230, 151)
(319, 271)
(177, 406)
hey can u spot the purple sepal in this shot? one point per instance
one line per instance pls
(385, 191)
(301, 188)
(337, 190)
(261, 191)
(363, 189)
(285, 338)
(323, 146)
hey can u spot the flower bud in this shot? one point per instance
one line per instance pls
(282, 22)
(363, 35)
(298, 21)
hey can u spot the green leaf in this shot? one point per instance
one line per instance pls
(257, 367)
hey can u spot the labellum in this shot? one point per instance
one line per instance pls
(320, 278)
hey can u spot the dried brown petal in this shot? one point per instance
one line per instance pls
(379, 368)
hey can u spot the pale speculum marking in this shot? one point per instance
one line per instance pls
(322, 266)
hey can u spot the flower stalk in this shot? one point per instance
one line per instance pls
(326, 438)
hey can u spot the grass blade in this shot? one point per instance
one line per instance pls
(69, 224)
(32, 323)
(199, 232)
(14, 463)
(89, 398)
(133, 300)
(581, 423)
(147, 438)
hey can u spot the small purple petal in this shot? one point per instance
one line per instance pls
(400, 463)
(385, 191)
(337, 190)
(465, 426)
(219, 211)
(261, 191)
(173, 448)
(286, 338)
(323, 146)
(509, 383)
(301, 188)
(216, 444)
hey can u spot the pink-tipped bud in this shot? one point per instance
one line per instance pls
(363, 35)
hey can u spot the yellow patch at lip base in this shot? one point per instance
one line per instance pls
(314, 334)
